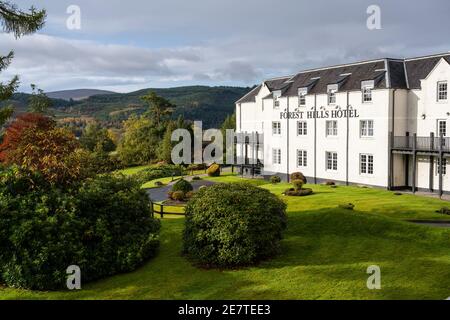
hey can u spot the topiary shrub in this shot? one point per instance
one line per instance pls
(348, 206)
(159, 184)
(298, 184)
(330, 183)
(189, 194)
(299, 176)
(178, 195)
(230, 225)
(182, 185)
(196, 178)
(444, 210)
(275, 179)
(213, 170)
(298, 193)
(104, 226)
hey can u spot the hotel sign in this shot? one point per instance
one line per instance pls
(321, 114)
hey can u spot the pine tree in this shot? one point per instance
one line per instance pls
(19, 23)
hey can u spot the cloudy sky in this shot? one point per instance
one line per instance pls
(129, 45)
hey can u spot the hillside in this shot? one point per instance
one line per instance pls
(208, 104)
(77, 94)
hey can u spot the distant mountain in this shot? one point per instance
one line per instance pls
(77, 94)
(20, 102)
(208, 104)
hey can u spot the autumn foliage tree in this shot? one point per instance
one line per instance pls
(34, 142)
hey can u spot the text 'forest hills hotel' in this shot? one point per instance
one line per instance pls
(382, 123)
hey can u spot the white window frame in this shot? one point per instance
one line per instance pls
(302, 158)
(366, 164)
(331, 161)
(331, 96)
(441, 129)
(367, 94)
(276, 156)
(276, 99)
(302, 128)
(366, 128)
(276, 128)
(444, 166)
(442, 91)
(331, 128)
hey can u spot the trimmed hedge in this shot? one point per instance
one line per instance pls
(275, 179)
(230, 225)
(213, 170)
(104, 226)
(182, 185)
(158, 172)
(299, 176)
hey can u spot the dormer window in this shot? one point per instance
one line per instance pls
(276, 99)
(366, 89)
(302, 96)
(331, 90)
(442, 91)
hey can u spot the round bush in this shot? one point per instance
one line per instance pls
(104, 226)
(298, 193)
(298, 176)
(275, 179)
(298, 184)
(347, 206)
(230, 225)
(178, 195)
(196, 178)
(213, 170)
(182, 185)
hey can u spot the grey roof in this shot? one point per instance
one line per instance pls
(387, 73)
(250, 97)
(419, 68)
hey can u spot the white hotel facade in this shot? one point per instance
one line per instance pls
(381, 123)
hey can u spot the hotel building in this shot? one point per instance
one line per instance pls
(381, 123)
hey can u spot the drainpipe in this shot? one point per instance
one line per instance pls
(347, 139)
(391, 145)
(287, 150)
(315, 139)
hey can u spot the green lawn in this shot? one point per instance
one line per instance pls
(325, 254)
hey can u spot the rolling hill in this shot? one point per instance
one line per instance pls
(77, 94)
(208, 104)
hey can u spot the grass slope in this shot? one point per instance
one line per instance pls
(325, 255)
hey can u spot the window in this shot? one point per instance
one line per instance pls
(331, 161)
(366, 164)
(442, 128)
(331, 96)
(276, 99)
(302, 99)
(276, 128)
(331, 127)
(442, 91)
(443, 166)
(302, 158)
(276, 156)
(366, 128)
(302, 128)
(367, 94)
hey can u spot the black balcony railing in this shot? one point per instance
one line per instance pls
(421, 143)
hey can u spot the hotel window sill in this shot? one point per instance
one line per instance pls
(332, 137)
(367, 103)
(442, 101)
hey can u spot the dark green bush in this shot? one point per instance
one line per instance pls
(196, 178)
(229, 225)
(292, 192)
(330, 183)
(298, 184)
(347, 206)
(158, 172)
(104, 226)
(213, 170)
(182, 185)
(444, 210)
(298, 176)
(275, 179)
(178, 195)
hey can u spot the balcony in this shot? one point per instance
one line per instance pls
(421, 144)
